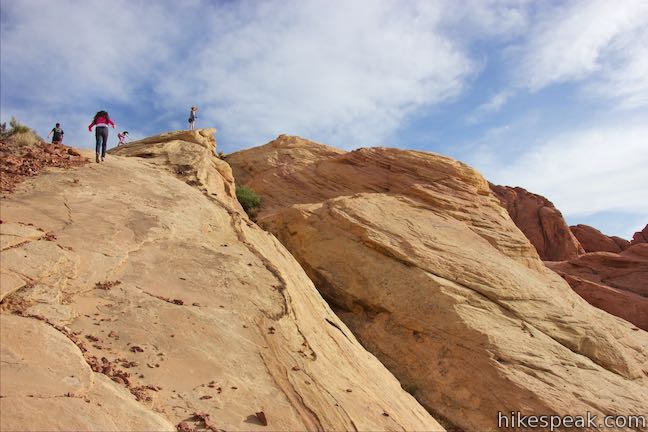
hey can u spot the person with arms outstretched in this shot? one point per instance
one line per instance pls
(101, 122)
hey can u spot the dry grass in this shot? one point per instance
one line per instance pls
(22, 139)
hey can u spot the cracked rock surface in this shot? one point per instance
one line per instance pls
(419, 259)
(136, 295)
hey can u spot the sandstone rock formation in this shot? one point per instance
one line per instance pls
(136, 295)
(593, 240)
(640, 236)
(564, 254)
(616, 283)
(424, 265)
(540, 222)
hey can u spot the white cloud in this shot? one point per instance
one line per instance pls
(472, 19)
(348, 73)
(599, 39)
(345, 75)
(54, 52)
(595, 169)
(625, 79)
(63, 61)
(493, 105)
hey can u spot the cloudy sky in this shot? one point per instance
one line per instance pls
(548, 95)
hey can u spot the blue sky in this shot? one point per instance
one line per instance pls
(551, 96)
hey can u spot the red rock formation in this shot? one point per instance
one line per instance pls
(640, 236)
(623, 243)
(594, 240)
(616, 283)
(540, 222)
(609, 276)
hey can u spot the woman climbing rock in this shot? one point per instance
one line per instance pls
(100, 122)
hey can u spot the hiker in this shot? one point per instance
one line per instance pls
(122, 138)
(192, 117)
(57, 137)
(100, 122)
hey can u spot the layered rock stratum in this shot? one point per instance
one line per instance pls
(136, 295)
(596, 267)
(541, 223)
(614, 282)
(417, 256)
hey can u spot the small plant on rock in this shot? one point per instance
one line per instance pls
(249, 199)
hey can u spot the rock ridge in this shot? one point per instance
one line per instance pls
(159, 306)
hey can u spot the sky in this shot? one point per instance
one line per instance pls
(551, 96)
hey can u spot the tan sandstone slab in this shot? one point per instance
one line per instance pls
(419, 259)
(183, 307)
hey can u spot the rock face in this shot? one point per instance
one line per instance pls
(592, 276)
(593, 240)
(424, 265)
(616, 283)
(540, 222)
(640, 236)
(136, 295)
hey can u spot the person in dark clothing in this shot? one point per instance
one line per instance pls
(100, 122)
(57, 134)
(192, 117)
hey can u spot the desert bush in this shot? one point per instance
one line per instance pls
(24, 138)
(248, 198)
(18, 134)
(17, 127)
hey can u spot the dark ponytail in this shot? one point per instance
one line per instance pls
(101, 114)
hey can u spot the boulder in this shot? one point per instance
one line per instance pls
(594, 240)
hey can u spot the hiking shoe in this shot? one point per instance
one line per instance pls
(102, 158)
(97, 158)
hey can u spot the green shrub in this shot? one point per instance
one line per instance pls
(411, 389)
(17, 127)
(248, 198)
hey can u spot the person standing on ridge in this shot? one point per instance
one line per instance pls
(192, 117)
(57, 137)
(100, 122)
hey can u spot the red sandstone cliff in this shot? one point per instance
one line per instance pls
(540, 222)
